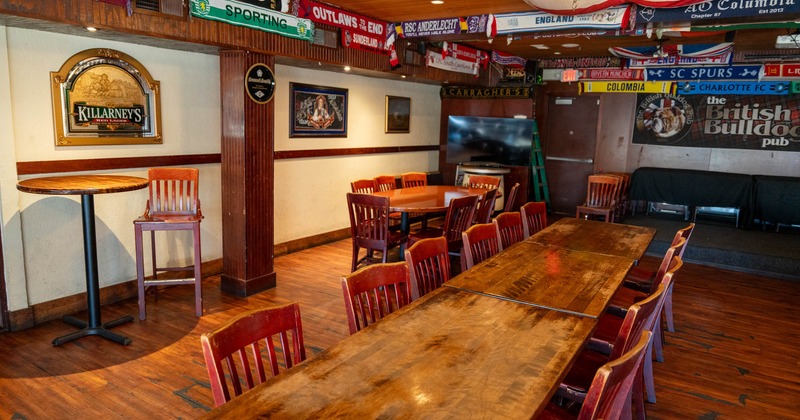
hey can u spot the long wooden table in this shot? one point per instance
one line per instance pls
(450, 353)
(495, 342)
(592, 236)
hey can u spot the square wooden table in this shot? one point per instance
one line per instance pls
(449, 354)
(590, 235)
(551, 277)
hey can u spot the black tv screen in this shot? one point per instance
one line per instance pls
(506, 141)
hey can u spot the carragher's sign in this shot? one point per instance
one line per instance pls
(103, 96)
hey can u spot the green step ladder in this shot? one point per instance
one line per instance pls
(540, 190)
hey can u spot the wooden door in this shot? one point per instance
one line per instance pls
(570, 149)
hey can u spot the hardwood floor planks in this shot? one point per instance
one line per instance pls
(734, 354)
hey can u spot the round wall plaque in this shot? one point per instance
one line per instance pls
(259, 82)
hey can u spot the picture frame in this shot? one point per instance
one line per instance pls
(398, 114)
(317, 111)
(105, 97)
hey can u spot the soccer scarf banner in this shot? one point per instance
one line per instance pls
(358, 32)
(507, 23)
(241, 14)
(705, 73)
(625, 87)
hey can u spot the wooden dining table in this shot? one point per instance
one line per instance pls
(494, 342)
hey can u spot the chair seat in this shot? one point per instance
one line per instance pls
(168, 219)
(579, 378)
(625, 297)
(554, 412)
(424, 234)
(640, 279)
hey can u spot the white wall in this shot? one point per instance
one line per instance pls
(49, 263)
(310, 193)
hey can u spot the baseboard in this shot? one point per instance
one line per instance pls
(311, 241)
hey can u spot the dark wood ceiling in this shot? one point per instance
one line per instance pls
(750, 40)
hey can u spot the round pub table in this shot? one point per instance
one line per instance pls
(87, 186)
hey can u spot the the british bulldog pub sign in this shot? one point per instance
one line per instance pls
(103, 96)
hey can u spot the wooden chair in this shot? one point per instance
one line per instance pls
(486, 207)
(611, 322)
(231, 341)
(414, 179)
(483, 181)
(644, 280)
(369, 227)
(639, 317)
(385, 183)
(534, 217)
(623, 195)
(511, 197)
(373, 292)
(363, 186)
(428, 265)
(460, 213)
(480, 243)
(509, 228)
(600, 198)
(610, 393)
(172, 205)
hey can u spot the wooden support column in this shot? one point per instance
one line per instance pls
(247, 180)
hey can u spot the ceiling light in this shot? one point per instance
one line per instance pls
(540, 46)
(570, 45)
(403, 76)
(346, 68)
(437, 1)
(91, 29)
(556, 53)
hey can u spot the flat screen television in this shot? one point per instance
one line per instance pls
(506, 141)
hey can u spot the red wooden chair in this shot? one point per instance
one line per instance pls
(483, 182)
(230, 343)
(610, 393)
(511, 197)
(363, 186)
(172, 205)
(413, 179)
(369, 227)
(480, 243)
(534, 217)
(610, 323)
(639, 317)
(373, 292)
(509, 228)
(460, 213)
(428, 265)
(385, 183)
(601, 198)
(646, 280)
(486, 207)
(623, 195)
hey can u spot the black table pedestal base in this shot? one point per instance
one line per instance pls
(86, 330)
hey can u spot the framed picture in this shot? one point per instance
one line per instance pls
(398, 114)
(317, 111)
(104, 97)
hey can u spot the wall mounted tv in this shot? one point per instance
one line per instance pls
(506, 141)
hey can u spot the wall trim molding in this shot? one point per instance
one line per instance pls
(81, 165)
(299, 154)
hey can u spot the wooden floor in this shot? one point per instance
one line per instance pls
(736, 352)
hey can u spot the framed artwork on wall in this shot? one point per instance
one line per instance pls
(398, 114)
(317, 111)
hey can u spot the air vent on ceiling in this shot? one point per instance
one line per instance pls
(788, 41)
(325, 38)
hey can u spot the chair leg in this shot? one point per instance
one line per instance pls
(355, 257)
(647, 373)
(668, 312)
(636, 399)
(198, 274)
(658, 342)
(140, 269)
(154, 261)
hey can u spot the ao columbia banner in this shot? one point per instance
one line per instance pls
(756, 122)
(254, 17)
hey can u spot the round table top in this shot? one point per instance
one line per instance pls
(429, 199)
(82, 184)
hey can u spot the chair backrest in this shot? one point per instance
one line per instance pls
(672, 251)
(173, 192)
(428, 265)
(509, 228)
(480, 243)
(374, 291)
(640, 317)
(602, 190)
(414, 179)
(483, 181)
(511, 197)
(684, 233)
(363, 186)
(534, 217)
(369, 220)
(459, 216)
(385, 183)
(248, 331)
(609, 394)
(486, 207)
